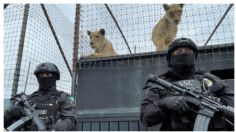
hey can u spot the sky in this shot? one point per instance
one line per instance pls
(68, 10)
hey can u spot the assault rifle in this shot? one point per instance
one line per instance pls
(30, 112)
(207, 106)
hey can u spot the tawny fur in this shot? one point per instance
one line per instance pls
(166, 29)
(102, 46)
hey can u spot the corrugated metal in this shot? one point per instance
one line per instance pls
(110, 125)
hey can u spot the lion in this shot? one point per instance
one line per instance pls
(102, 46)
(166, 29)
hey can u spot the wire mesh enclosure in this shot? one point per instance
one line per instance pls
(129, 26)
(39, 45)
(110, 89)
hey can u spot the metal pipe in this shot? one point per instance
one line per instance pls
(118, 27)
(20, 51)
(76, 36)
(75, 50)
(218, 24)
(5, 6)
(26, 81)
(55, 37)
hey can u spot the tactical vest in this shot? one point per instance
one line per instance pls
(47, 107)
(192, 85)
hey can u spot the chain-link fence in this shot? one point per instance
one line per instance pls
(136, 22)
(127, 26)
(110, 89)
(39, 46)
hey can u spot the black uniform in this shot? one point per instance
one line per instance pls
(152, 114)
(172, 111)
(57, 109)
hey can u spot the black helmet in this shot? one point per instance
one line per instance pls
(47, 67)
(182, 42)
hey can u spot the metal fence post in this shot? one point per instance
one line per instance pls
(20, 51)
(75, 49)
(218, 24)
(56, 38)
(123, 36)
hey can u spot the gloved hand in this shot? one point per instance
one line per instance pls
(174, 103)
(63, 125)
(216, 83)
(13, 114)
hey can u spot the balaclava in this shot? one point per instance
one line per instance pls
(183, 65)
(46, 83)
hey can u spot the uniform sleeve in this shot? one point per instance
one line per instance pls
(222, 90)
(67, 121)
(226, 95)
(13, 114)
(151, 113)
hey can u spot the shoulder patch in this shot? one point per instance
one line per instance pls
(71, 100)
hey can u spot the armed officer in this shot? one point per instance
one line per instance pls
(56, 108)
(169, 110)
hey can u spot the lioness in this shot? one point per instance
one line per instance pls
(166, 29)
(102, 46)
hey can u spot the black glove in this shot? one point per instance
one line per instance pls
(13, 114)
(174, 103)
(217, 83)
